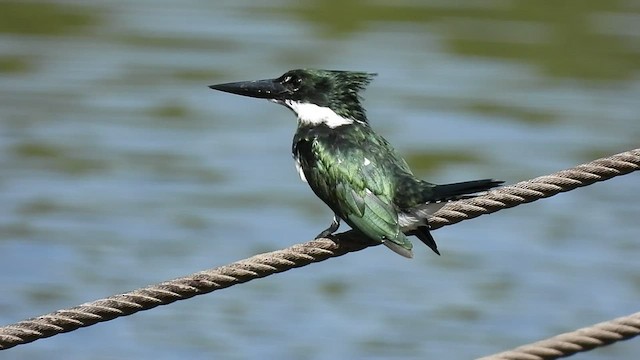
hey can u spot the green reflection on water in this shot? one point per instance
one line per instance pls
(46, 294)
(145, 75)
(37, 150)
(165, 165)
(16, 230)
(576, 38)
(333, 289)
(426, 162)
(192, 222)
(177, 42)
(40, 206)
(58, 158)
(565, 40)
(15, 64)
(495, 110)
(496, 289)
(171, 110)
(32, 18)
(463, 313)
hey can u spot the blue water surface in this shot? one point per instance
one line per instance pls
(119, 168)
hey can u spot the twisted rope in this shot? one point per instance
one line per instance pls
(304, 254)
(538, 188)
(569, 343)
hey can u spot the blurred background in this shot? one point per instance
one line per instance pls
(119, 168)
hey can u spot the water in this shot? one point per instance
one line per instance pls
(121, 169)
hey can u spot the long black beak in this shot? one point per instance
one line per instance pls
(264, 89)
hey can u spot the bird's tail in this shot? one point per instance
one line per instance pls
(422, 233)
(459, 190)
(400, 245)
(436, 196)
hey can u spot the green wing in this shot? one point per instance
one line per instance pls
(359, 191)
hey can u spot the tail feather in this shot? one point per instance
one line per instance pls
(455, 190)
(400, 245)
(417, 218)
(423, 233)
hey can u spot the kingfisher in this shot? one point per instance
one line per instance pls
(351, 168)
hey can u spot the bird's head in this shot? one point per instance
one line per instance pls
(317, 96)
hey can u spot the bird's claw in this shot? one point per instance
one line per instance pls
(335, 224)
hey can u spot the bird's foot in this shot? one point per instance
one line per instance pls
(335, 224)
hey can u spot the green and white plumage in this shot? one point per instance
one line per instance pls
(355, 171)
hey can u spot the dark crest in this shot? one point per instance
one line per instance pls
(337, 90)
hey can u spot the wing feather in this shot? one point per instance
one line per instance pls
(358, 190)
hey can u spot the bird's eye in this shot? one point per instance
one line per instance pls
(292, 81)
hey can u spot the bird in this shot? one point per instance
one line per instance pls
(355, 171)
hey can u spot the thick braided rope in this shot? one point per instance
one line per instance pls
(538, 188)
(304, 254)
(569, 343)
